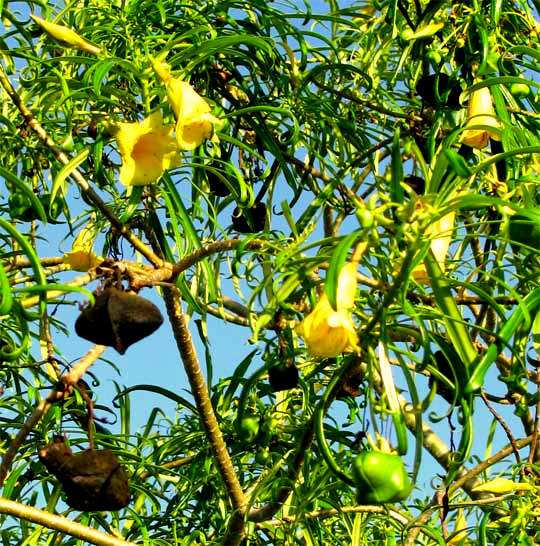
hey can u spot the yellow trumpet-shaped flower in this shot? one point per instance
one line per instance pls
(329, 332)
(82, 256)
(194, 122)
(441, 237)
(480, 111)
(66, 35)
(147, 149)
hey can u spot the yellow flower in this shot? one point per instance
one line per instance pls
(329, 332)
(147, 149)
(441, 237)
(66, 35)
(194, 122)
(480, 111)
(82, 257)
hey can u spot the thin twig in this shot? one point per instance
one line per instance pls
(503, 424)
(338, 512)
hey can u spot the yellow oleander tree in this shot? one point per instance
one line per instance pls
(326, 215)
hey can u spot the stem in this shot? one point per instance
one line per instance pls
(59, 523)
(267, 511)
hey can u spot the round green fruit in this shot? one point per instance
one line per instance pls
(380, 477)
(263, 457)
(520, 90)
(524, 228)
(248, 428)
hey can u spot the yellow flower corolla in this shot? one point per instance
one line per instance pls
(480, 111)
(441, 237)
(329, 332)
(147, 149)
(82, 256)
(66, 35)
(194, 122)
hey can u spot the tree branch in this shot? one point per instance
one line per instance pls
(57, 394)
(60, 523)
(202, 398)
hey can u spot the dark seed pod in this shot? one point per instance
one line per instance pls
(427, 90)
(257, 217)
(417, 184)
(351, 386)
(132, 317)
(94, 323)
(445, 368)
(216, 184)
(283, 377)
(92, 480)
(118, 319)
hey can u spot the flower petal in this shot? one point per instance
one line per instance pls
(328, 333)
(347, 284)
(480, 112)
(147, 149)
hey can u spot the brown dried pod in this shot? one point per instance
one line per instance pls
(92, 480)
(283, 377)
(132, 317)
(257, 214)
(94, 323)
(118, 319)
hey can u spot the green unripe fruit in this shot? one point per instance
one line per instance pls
(380, 477)
(248, 429)
(524, 228)
(263, 457)
(520, 90)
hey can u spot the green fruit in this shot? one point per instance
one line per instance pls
(20, 207)
(248, 429)
(434, 56)
(267, 430)
(380, 477)
(524, 228)
(52, 208)
(262, 457)
(520, 90)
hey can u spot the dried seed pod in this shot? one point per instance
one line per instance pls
(257, 215)
(92, 480)
(445, 368)
(132, 317)
(94, 323)
(283, 377)
(118, 319)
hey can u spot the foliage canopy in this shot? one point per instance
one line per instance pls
(373, 163)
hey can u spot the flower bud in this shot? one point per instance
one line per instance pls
(66, 35)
